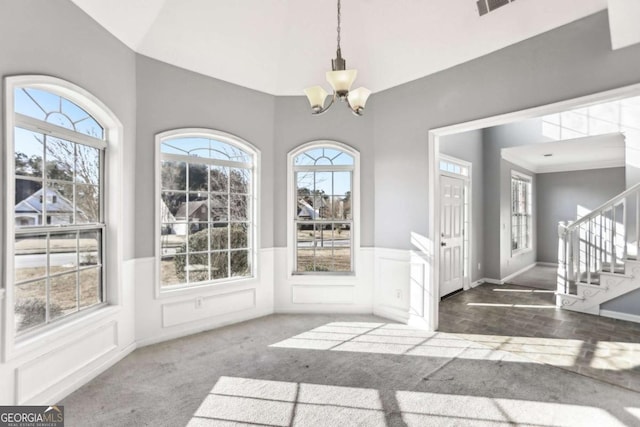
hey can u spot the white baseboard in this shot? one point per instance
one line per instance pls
(490, 281)
(477, 283)
(620, 316)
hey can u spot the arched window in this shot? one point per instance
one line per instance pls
(55, 215)
(207, 217)
(323, 205)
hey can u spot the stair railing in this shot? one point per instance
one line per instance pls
(597, 242)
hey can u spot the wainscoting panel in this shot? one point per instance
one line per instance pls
(38, 375)
(198, 308)
(324, 293)
(310, 294)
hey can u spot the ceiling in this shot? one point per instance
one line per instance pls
(282, 46)
(592, 152)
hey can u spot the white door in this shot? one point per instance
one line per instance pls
(451, 229)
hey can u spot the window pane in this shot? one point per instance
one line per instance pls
(59, 205)
(30, 259)
(29, 151)
(28, 209)
(341, 183)
(219, 236)
(218, 179)
(198, 237)
(30, 305)
(60, 156)
(174, 207)
(173, 238)
(172, 270)
(239, 207)
(198, 267)
(54, 109)
(63, 252)
(239, 236)
(219, 207)
(198, 207)
(240, 263)
(87, 165)
(239, 180)
(305, 259)
(219, 265)
(63, 295)
(323, 183)
(174, 175)
(198, 177)
(90, 248)
(87, 204)
(90, 287)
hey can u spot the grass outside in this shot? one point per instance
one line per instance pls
(325, 259)
(319, 235)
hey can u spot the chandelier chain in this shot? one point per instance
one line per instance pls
(339, 16)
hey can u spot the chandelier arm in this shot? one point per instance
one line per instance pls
(324, 109)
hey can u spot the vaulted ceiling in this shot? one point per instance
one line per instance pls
(282, 46)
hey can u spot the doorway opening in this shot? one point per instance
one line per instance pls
(509, 261)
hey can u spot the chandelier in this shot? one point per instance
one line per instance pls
(340, 80)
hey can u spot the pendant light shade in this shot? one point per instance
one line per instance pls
(341, 80)
(316, 96)
(358, 98)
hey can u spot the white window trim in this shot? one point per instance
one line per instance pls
(334, 278)
(113, 204)
(529, 179)
(241, 144)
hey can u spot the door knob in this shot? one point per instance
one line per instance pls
(443, 243)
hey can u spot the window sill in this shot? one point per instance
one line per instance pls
(323, 279)
(171, 292)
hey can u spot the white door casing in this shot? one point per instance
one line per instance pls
(452, 234)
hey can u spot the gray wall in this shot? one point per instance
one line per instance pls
(169, 97)
(571, 61)
(294, 125)
(468, 146)
(56, 38)
(559, 194)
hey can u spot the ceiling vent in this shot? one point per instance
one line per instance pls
(486, 6)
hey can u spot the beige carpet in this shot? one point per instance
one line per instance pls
(341, 370)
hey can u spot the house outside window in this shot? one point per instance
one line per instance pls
(57, 223)
(323, 205)
(207, 218)
(521, 212)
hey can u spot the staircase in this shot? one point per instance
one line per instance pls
(598, 254)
